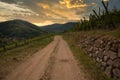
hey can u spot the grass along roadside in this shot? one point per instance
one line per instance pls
(12, 58)
(113, 33)
(9, 45)
(90, 67)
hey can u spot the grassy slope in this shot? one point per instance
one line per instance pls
(91, 69)
(10, 59)
(19, 29)
(113, 33)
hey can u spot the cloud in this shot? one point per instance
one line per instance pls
(105, 0)
(41, 11)
(11, 9)
(73, 3)
(45, 6)
(50, 11)
(59, 13)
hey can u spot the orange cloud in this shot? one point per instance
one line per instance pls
(52, 14)
(2, 19)
(66, 14)
(105, 0)
(60, 13)
(73, 3)
(45, 6)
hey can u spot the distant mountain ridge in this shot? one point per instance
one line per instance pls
(19, 29)
(58, 28)
(23, 29)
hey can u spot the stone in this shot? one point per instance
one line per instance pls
(109, 43)
(93, 39)
(98, 59)
(112, 55)
(116, 73)
(116, 62)
(115, 46)
(95, 56)
(100, 55)
(97, 52)
(108, 70)
(97, 43)
(100, 49)
(105, 58)
(110, 62)
(90, 55)
(101, 42)
(91, 49)
(103, 45)
(103, 64)
(119, 52)
(119, 55)
(107, 47)
(105, 51)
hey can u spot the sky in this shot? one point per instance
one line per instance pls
(45, 12)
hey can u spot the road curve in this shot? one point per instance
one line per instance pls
(55, 62)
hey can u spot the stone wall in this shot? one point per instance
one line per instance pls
(104, 50)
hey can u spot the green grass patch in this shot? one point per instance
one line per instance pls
(90, 67)
(10, 46)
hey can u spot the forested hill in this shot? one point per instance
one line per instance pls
(19, 29)
(58, 28)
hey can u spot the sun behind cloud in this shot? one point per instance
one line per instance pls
(73, 3)
(43, 5)
(105, 0)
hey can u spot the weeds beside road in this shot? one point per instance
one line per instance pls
(90, 67)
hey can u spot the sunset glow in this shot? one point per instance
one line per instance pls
(44, 12)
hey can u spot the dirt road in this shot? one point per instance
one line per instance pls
(54, 62)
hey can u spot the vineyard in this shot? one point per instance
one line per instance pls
(6, 44)
(103, 19)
